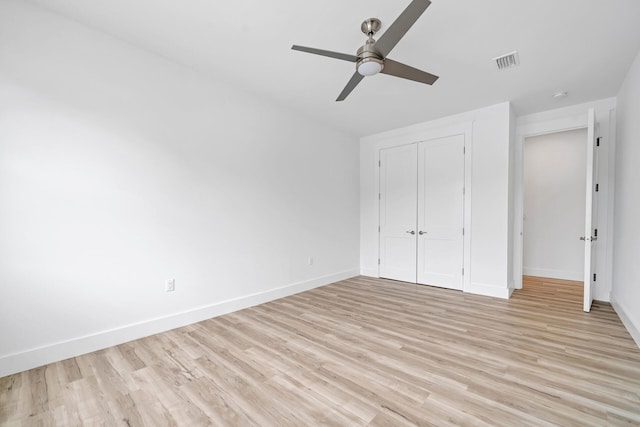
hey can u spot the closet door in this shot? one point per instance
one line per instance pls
(398, 201)
(441, 212)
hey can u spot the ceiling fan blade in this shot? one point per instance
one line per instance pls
(355, 79)
(394, 68)
(400, 26)
(330, 54)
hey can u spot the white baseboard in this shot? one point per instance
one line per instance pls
(554, 274)
(627, 321)
(489, 290)
(369, 272)
(33, 358)
(474, 288)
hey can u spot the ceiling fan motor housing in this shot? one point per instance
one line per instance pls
(370, 61)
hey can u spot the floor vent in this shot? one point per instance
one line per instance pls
(508, 60)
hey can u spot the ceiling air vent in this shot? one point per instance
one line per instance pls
(508, 60)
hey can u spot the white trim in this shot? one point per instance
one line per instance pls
(468, 190)
(611, 194)
(577, 110)
(578, 276)
(22, 361)
(489, 290)
(634, 329)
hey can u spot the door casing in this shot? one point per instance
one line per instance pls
(465, 130)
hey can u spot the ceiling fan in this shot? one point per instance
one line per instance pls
(372, 59)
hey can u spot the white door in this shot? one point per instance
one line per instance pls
(440, 212)
(398, 194)
(590, 236)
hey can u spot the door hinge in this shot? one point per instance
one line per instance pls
(464, 190)
(595, 232)
(464, 150)
(597, 187)
(594, 277)
(463, 271)
(463, 231)
(379, 163)
(378, 229)
(378, 261)
(598, 141)
(379, 196)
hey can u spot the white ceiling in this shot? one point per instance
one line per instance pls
(584, 47)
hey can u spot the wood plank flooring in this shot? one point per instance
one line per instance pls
(358, 352)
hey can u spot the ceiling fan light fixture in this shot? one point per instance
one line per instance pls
(370, 66)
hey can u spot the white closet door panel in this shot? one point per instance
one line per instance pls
(441, 212)
(398, 194)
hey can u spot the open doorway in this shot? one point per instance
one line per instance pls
(600, 154)
(554, 180)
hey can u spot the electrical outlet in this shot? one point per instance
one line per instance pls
(170, 285)
(310, 260)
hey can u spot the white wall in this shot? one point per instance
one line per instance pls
(554, 204)
(488, 150)
(119, 169)
(625, 295)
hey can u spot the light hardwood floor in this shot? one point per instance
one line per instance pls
(358, 352)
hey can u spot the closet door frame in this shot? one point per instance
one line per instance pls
(415, 137)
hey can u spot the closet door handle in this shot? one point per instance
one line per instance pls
(410, 232)
(422, 232)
